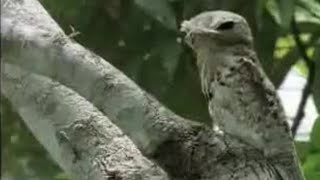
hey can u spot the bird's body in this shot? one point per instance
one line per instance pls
(241, 99)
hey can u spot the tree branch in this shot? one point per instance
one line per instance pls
(310, 80)
(32, 40)
(80, 138)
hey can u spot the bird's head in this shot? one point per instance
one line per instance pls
(218, 28)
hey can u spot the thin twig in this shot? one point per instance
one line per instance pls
(310, 79)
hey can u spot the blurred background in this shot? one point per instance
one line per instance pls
(142, 39)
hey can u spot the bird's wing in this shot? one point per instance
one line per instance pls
(264, 93)
(261, 86)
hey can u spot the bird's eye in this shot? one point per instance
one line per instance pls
(226, 25)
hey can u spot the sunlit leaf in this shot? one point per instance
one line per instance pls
(306, 14)
(283, 46)
(306, 21)
(282, 11)
(302, 68)
(312, 6)
(303, 15)
(274, 10)
(301, 65)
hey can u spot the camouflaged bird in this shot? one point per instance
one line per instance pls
(242, 100)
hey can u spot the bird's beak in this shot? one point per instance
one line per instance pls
(188, 28)
(207, 32)
(198, 33)
(185, 26)
(191, 31)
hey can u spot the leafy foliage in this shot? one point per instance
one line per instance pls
(22, 156)
(159, 10)
(286, 8)
(142, 39)
(309, 153)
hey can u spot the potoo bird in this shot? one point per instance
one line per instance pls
(241, 98)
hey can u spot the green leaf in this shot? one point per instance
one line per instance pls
(312, 6)
(260, 7)
(312, 167)
(283, 46)
(316, 84)
(265, 41)
(306, 21)
(302, 68)
(160, 10)
(282, 11)
(286, 9)
(282, 65)
(302, 149)
(274, 11)
(315, 136)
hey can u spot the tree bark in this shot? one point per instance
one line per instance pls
(79, 137)
(184, 149)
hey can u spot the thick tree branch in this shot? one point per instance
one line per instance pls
(79, 137)
(310, 80)
(31, 39)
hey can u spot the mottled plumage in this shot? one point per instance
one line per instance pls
(241, 98)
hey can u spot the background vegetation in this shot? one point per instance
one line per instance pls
(142, 39)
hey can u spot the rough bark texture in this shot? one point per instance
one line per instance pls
(185, 150)
(78, 136)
